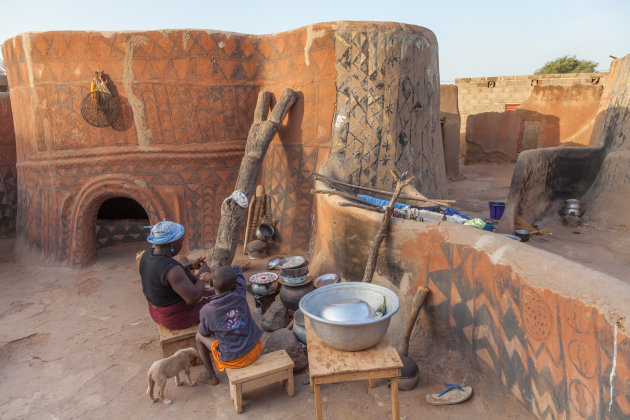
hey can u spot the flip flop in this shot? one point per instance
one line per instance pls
(454, 394)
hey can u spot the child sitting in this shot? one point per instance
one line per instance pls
(236, 342)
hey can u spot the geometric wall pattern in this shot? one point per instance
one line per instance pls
(191, 98)
(387, 111)
(553, 353)
(8, 172)
(114, 232)
(288, 186)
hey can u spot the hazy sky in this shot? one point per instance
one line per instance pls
(475, 38)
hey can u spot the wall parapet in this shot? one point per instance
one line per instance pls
(548, 328)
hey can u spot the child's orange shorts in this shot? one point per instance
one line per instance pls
(242, 361)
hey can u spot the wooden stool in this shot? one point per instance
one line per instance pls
(173, 340)
(267, 369)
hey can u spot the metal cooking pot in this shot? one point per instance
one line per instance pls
(298, 326)
(295, 272)
(290, 296)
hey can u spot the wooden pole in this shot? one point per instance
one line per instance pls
(443, 203)
(418, 301)
(261, 133)
(401, 183)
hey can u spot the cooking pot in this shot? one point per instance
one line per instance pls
(298, 326)
(290, 295)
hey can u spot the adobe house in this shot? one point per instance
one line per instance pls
(188, 98)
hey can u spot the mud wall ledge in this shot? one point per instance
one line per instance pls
(548, 328)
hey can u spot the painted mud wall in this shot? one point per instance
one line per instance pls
(8, 170)
(598, 175)
(554, 332)
(551, 116)
(451, 121)
(188, 99)
(608, 198)
(492, 94)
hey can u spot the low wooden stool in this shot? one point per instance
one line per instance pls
(173, 340)
(267, 369)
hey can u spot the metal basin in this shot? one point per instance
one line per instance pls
(350, 335)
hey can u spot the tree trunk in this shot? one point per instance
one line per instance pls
(260, 135)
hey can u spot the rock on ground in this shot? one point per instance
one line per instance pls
(275, 317)
(284, 339)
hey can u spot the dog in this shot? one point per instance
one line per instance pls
(168, 367)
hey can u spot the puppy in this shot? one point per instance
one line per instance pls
(168, 367)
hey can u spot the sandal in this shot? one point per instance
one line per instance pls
(454, 394)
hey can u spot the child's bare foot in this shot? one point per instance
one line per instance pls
(206, 378)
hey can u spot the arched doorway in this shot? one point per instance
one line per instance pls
(120, 220)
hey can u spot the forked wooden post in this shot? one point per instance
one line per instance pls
(401, 183)
(260, 135)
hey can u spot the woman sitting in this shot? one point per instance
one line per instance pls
(175, 296)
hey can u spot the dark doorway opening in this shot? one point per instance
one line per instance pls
(120, 220)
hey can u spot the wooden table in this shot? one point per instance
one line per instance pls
(328, 365)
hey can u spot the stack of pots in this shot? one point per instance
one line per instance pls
(295, 282)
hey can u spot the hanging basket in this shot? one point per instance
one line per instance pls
(100, 109)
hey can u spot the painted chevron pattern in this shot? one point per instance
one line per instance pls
(554, 354)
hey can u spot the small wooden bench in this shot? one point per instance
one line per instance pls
(267, 369)
(173, 340)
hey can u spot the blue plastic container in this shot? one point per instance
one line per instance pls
(496, 209)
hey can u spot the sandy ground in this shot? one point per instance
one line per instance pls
(602, 250)
(77, 344)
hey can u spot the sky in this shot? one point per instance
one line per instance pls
(475, 38)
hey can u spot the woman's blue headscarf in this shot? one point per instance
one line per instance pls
(165, 232)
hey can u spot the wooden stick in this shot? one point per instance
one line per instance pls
(418, 301)
(247, 225)
(344, 195)
(401, 183)
(444, 203)
(361, 206)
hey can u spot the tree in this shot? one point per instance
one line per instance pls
(567, 64)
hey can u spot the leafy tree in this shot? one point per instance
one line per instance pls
(567, 64)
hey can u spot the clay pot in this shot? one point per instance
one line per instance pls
(290, 295)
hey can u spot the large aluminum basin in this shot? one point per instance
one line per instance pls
(350, 336)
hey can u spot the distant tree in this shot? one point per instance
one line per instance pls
(567, 64)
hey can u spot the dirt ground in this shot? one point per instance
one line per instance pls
(599, 249)
(78, 344)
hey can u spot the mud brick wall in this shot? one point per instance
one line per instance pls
(187, 100)
(8, 171)
(491, 94)
(609, 196)
(554, 332)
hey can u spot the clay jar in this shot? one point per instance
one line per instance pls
(290, 295)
